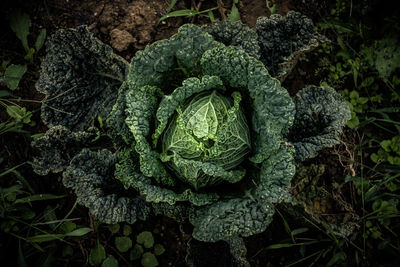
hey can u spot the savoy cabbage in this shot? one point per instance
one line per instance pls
(200, 130)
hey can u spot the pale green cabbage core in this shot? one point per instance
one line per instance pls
(206, 139)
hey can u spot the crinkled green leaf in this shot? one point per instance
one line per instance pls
(311, 202)
(178, 211)
(119, 131)
(80, 77)
(321, 114)
(141, 105)
(208, 139)
(237, 216)
(170, 103)
(273, 109)
(150, 98)
(160, 62)
(283, 39)
(201, 174)
(236, 34)
(127, 171)
(251, 213)
(275, 176)
(387, 57)
(57, 147)
(91, 176)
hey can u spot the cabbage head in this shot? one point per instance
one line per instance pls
(192, 129)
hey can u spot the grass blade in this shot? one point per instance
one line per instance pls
(37, 197)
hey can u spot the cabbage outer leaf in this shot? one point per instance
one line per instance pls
(80, 77)
(127, 173)
(235, 34)
(283, 39)
(57, 147)
(321, 115)
(91, 176)
(252, 212)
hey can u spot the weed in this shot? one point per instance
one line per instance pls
(20, 23)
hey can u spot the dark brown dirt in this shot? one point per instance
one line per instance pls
(132, 22)
(250, 10)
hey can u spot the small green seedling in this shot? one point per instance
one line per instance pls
(234, 15)
(389, 151)
(146, 239)
(97, 254)
(271, 6)
(123, 243)
(110, 262)
(148, 258)
(20, 24)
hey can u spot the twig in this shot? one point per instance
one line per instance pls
(221, 9)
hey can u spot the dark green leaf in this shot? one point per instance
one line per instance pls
(50, 216)
(67, 251)
(22, 180)
(289, 245)
(21, 258)
(336, 259)
(40, 40)
(28, 214)
(16, 112)
(146, 238)
(184, 13)
(44, 238)
(29, 54)
(113, 228)
(97, 255)
(11, 189)
(20, 24)
(158, 249)
(68, 227)
(37, 197)
(234, 15)
(4, 93)
(123, 243)
(3, 66)
(79, 232)
(171, 5)
(110, 262)
(149, 260)
(13, 75)
(127, 230)
(299, 231)
(136, 252)
(49, 260)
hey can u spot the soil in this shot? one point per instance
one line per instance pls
(127, 26)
